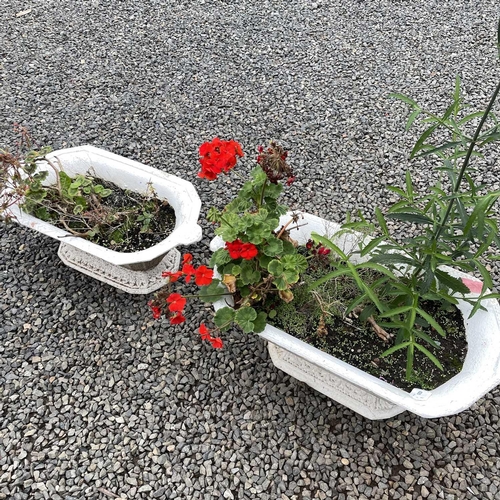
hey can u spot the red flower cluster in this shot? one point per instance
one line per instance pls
(176, 302)
(202, 276)
(239, 249)
(318, 249)
(205, 335)
(217, 157)
(156, 310)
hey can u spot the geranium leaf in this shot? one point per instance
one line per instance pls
(275, 267)
(245, 318)
(220, 257)
(273, 247)
(224, 317)
(212, 292)
(260, 322)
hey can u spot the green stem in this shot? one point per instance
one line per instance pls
(466, 163)
(261, 201)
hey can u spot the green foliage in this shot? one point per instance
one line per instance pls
(252, 218)
(76, 204)
(213, 292)
(455, 226)
(224, 317)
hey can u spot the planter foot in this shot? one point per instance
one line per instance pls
(136, 282)
(337, 388)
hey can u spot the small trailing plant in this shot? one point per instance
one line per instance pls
(85, 208)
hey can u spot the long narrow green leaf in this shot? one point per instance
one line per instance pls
(431, 322)
(402, 97)
(409, 185)
(485, 245)
(438, 149)
(377, 267)
(478, 211)
(392, 324)
(328, 277)
(456, 94)
(409, 217)
(365, 288)
(471, 116)
(421, 141)
(328, 244)
(451, 282)
(396, 190)
(394, 312)
(488, 282)
(371, 245)
(477, 306)
(394, 348)
(381, 221)
(490, 138)
(422, 335)
(431, 356)
(392, 258)
(355, 303)
(413, 116)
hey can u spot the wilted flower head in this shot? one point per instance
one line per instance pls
(273, 162)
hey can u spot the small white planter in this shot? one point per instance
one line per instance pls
(369, 396)
(133, 272)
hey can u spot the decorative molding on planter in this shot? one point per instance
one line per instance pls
(333, 386)
(137, 282)
(372, 397)
(134, 272)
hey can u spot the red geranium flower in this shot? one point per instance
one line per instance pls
(203, 276)
(217, 157)
(248, 251)
(188, 270)
(176, 302)
(172, 277)
(177, 319)
(204, 332)
(216, 342)
(238, 249)
(234, 248)
(187, 258)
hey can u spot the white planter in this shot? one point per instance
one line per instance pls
(371, 397)
(133, 272)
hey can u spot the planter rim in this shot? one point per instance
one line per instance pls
(185, 232)
(480, 372)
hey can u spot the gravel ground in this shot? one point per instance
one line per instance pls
(97, 400)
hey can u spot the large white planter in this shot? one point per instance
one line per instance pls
(369, 396)
(133, 272)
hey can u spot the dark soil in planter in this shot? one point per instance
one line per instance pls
(357, 344)
(129, 232)
(162, 224)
